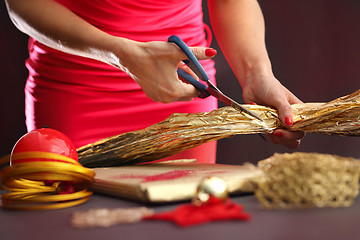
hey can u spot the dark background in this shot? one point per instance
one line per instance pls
(314, 48)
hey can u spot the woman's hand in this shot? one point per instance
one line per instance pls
(267, 90)
(153, 66)
(240, 30)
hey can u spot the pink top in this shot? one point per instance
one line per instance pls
(89, 100)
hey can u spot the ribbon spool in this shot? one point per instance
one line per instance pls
(44, 173)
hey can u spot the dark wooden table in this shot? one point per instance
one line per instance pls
(325, 223)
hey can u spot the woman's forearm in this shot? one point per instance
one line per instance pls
(56, 26)
(151, 64)
(239, 29)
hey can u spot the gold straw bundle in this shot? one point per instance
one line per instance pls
(182, 131)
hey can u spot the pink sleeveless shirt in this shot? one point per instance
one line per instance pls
(89, 100)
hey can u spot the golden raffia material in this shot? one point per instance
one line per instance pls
(182, 131)
(302, 180)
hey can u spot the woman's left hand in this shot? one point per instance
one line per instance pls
(267, 90)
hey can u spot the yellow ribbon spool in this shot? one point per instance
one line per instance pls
(26, 188)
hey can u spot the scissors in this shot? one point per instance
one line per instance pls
(210, 89)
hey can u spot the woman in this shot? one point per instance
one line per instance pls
(98, 68)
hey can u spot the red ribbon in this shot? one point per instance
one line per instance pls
(190, 214)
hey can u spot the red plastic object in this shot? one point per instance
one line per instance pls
(44, 140)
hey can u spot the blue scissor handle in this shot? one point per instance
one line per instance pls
(198, 85)
(180, 43)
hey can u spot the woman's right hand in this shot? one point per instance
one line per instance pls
(153, 66)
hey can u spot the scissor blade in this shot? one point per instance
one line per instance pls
(241, 108)
(229, 102)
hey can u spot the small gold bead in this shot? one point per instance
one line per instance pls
(210, 190)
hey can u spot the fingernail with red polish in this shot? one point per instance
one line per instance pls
(278, 134)
(289, 121)
(252, 103)
(210, 52)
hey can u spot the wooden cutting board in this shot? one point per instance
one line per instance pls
(170, 181)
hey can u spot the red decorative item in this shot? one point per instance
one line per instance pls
(44, 140)
(190, 214)
(45, 145)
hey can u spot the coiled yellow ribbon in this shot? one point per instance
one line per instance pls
(25, 181)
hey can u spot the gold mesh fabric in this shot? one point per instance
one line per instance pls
(302, 180)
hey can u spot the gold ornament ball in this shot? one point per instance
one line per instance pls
(211, 190)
